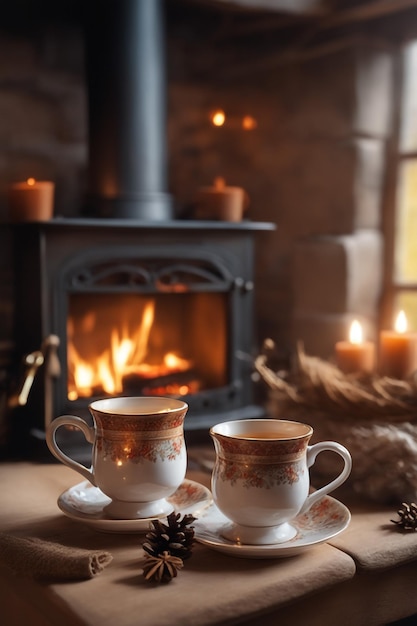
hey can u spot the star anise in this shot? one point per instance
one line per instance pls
(162, 568)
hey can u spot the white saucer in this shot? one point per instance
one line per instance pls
(85, 503)
(326, 519)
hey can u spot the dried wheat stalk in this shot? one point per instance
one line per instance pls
(316, 384)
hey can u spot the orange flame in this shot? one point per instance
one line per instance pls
(126, 355)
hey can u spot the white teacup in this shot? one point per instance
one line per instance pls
(139, 457)
(261, 478)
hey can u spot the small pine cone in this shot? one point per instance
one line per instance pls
(161, 568)
(175, 537)
(181, 534)
(408, 516)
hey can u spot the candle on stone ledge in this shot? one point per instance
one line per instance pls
(355, 355)
(221, 202)
(31, 200)
(398, 350)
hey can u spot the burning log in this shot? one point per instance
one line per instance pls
(136, 382)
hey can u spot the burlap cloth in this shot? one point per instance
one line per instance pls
(212, 588)
(46, 560)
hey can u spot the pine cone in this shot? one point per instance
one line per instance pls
(408, 516)
(176, 537)
(162, 568)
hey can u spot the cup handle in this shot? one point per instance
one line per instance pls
(89, 434)
(312, 452)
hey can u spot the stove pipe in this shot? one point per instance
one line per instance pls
(126, 99)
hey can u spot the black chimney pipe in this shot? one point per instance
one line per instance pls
(126, 99)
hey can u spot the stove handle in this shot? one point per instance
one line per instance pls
(32, 362)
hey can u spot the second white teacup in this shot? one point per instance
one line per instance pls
(261, 480)
(139, 457)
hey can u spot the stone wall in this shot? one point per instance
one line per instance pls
(339, 278)
(42, 126)
(314, 166)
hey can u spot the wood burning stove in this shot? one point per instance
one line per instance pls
(137, 308)
(128, 300)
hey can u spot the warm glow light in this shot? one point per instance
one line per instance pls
(31, 182)
(355, 333)
(219, 183)
(174, 362)
(249, 122)
(126, 356)
(105, 376)
(84, 376)
(218, 118)
(401, 323)
(141, 338)
(122, 353)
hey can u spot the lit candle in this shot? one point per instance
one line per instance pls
(355, 355)
(398, 350)
(31, 200)
(221, 202)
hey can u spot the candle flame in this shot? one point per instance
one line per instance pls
(219, 183)
(355, 333)
(401, 323)
(31, 182)
(218, 118)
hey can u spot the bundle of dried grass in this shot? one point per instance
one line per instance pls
(319, 385)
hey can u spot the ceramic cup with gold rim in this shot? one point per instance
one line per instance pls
(261, 480)
(139, 456)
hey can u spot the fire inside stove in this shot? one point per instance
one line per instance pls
(167, 344)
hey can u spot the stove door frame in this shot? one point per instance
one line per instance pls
(51, 249)
(153, 270)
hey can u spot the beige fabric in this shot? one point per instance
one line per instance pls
(212, 588)
(373, 540)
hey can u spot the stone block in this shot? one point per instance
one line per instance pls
(25, 119)
(334, 185)
(374, 88)
(333, 275)
(349, 92)
(368, 182)
(319, 333)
